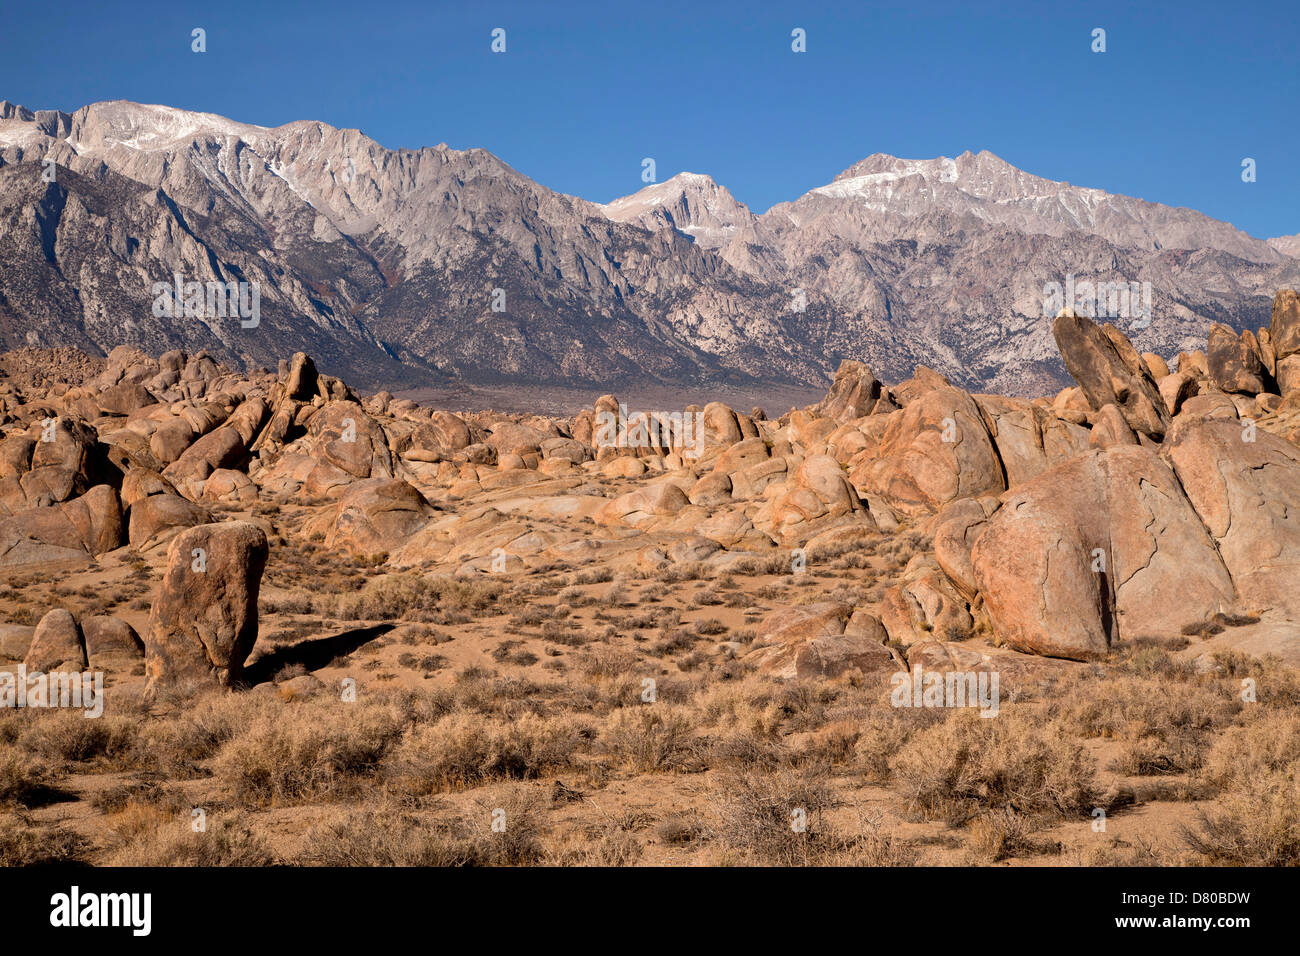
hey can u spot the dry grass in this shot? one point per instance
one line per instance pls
(955, 769)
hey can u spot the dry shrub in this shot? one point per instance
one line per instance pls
(883, 730)
(1002, 834)
(1276, 683)
(1255, 749)
(1256, 825)
(308, 751)
(154, 837)
(467, 750)
(418, 598)
(24, 783)
(952, 770)
(387, 837)
(1127, 707)
(653, 737)
(24, 843)
(779, 819)
(773, 819)
(69, 736)
(177, 745)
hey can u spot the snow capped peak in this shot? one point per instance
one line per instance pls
(692, 203)
(150, 127)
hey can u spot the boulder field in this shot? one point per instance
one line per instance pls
(1144, 503)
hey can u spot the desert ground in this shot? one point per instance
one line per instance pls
(343, 629)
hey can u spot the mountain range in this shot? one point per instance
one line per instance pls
(404, 268)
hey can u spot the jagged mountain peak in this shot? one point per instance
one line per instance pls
(692, 203)
(391, 259)
(1287, 245)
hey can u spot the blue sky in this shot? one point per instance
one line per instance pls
(1184, 91)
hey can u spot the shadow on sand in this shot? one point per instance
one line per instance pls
(312, 655)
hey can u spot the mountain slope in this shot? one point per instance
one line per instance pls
(410, 267)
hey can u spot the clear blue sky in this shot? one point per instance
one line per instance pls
(1184, 92)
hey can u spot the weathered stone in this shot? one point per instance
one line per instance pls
(203, 623)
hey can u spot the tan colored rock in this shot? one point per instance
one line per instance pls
(1234, 361)
(754, 480)
(810, 641)
(816, 496)
(111, 643)
(68, 531)
(1284, 329)
(623, 466)
(955, 530)
(157, 518)
(1156, 366)
(349, 440)
(1110, 428)
(1208, 405)
(935, 451)
(140, 483)
(712, 489)
(228, 486)
(1245, 484)
(644, 505)
(924, 606)
(374, 516)
(301, 382)
(203, 623)
(853, 394)
(1099, 549)
(1176, 388)
(57, 645)
(1028, 438)
(1110, 371)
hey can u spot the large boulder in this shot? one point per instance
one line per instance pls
(58, 644)
(1284, 339)
(374, 516)
(349, 443)
(955, 531)
(157, 518)
(936, 450)
(1028, 438)
(816, 497)
(203, 623)
(924, 605)
(301, 381)
(1102, 548)
(1245, 485)
(111, 642)
(1110, 371)
(1234, 360)
(854, 393)
(644, 506)
(69, 531)
(824, 639)
(224, 447)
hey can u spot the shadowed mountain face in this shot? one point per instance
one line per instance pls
(436, 266)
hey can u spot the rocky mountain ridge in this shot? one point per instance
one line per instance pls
(431, 266)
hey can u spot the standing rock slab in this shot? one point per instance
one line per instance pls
(1110, 371)
(204, 620)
